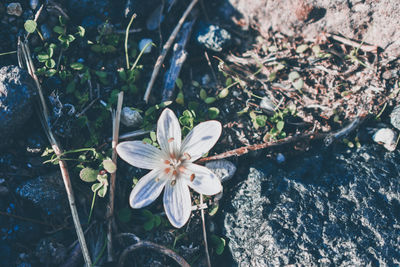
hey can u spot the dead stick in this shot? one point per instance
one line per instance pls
(150, 245)
(329, 138)
(244, 150)
(58, 151)
(364, 47)
(165, 50)
(204, 232)
(116, 120)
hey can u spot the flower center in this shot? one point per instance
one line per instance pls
(175, 166)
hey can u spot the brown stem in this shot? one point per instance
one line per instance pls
(116, 120)
(150, 245)
(44, 117)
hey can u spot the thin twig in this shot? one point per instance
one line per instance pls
(165, 50)
(150, 245)
(44, 115)
(329, 138)
(25, 219)
(204, 232)
(116, 121)
(211, 68)
(364, 47)
(126, 40)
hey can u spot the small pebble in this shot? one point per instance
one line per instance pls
(33, 4)
(280, 158)
(224, 169)
(213, 37)
(143, 43)
(14, 9)
(130, 117)
(46, 32)
(387, 137)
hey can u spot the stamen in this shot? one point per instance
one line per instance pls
(167, 170)
(172, 156)
(181, 168)
(157, 179)
(174, 173)
(167, 162)
(171, 140)
(192, 177)
(188, 157)
(173, 182)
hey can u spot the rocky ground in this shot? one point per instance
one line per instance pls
(309, 88)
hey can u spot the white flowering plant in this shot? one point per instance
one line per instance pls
(172, 167)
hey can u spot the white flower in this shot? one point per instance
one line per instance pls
(172, 166)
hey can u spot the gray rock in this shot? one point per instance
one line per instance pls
(47, 192)
(319, 209)
(387, 137)
(16, 91)
(213, 37)
(224, 169)
(131, 117)
(375, 22)
(14, 9)
(395, 117)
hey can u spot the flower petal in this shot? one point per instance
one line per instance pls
(177, 202)
(147, 189)
(140, 155)
(201, 139)
(202, 180)
(169, 132)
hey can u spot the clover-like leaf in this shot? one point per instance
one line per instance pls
(88, 174)
(30, 26)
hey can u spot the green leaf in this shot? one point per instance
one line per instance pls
(43, 57)
(147, 214)
(101, 74)
(180, 98)
(179, 83)
(157, 220)
(77, 66)
(213, 112)
(280, 125)
(71, 87)
(272, 76)
(102, 191)
(30, 26)
(96, 187)
(122, 74)
(148, 225)
(213, 210)
(219, 244)
(153, 136)
(50, 63)
(50, 72)
(228, 81)
(59, 29)
(81, 31)
(88, 174)
(224, 93)
(203, 94)
(124, 215)
(70, 38)
(210, 100)
(109, 166)
(261, 120)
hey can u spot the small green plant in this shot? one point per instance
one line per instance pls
(218, 243)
